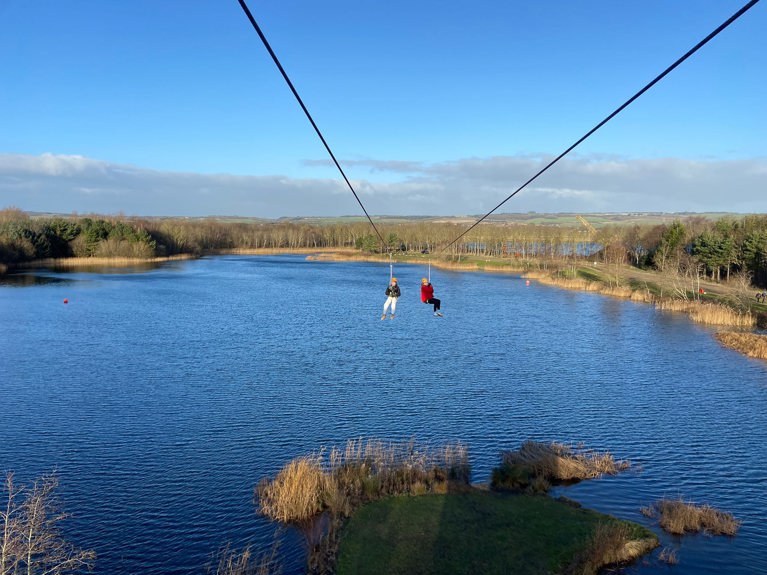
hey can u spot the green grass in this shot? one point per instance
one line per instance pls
(475, 532)
(591, 275)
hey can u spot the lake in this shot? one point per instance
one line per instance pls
(162, 396)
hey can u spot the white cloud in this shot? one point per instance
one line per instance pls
(59, 183)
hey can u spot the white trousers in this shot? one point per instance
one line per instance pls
(390, 301)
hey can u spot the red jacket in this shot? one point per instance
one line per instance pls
(427, 292)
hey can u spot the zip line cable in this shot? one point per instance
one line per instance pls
(306, 111)
(658, 78)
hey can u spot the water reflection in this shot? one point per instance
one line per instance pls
(27, 279)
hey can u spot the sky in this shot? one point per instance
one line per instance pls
(174, 108)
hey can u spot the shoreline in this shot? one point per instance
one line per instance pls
(709, 309)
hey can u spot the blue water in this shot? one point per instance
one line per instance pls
(162, 396)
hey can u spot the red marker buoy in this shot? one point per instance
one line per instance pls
(66, 300)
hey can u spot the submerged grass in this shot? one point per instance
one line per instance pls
(233, 562)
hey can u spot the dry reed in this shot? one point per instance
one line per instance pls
(363, 470)
(611, 543)
(668, 556)
(677, 517)
(750, 344)
(85, 262)
(231, 562)
(581, 284)
(297, 493)
(558, 462)
(708, 313)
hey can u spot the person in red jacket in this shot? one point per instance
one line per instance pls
(427, 296)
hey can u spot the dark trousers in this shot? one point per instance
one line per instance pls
(435, 301)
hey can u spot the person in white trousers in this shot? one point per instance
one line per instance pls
(392, 293)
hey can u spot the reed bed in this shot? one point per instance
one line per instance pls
(563, 463)
(85, 262)
(536, 465)
(297, 493)
(537, 275)
(361, 471)
(708, 313)
(749, 344)
(677, 517)
(642, 295)
(582, 284)
(274, 251)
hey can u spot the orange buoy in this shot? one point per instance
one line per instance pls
(66, 300)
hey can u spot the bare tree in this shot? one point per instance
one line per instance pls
(32, 543)
(10, 546)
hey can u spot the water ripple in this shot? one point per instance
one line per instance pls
(163, 397)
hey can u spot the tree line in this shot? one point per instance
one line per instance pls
(693, 246)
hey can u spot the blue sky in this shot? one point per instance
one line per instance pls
(175, 108)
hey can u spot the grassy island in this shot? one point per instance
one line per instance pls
(383, 507)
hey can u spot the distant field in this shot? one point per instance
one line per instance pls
(534, 218)
(529, 218)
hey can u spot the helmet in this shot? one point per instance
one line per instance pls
(424, 281)
(394, 279)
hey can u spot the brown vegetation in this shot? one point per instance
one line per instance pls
(363, 470)
(232, 562)
(563, 463)
(668, 555)
(30, 539)
(314, 487)
(298, 493)
(750, 344)
(86, 262)
(709, 313)
(612, 543)
(678, 517)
